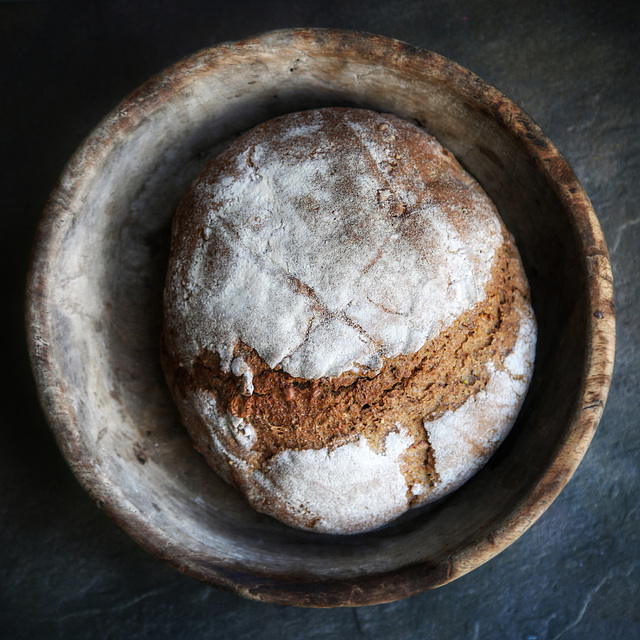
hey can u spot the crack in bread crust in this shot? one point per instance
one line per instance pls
(291, 413)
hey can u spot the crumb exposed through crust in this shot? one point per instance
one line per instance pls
(292, 413)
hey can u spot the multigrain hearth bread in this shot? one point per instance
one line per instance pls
(348, 331)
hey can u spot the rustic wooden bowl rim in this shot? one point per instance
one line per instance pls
(356, 590)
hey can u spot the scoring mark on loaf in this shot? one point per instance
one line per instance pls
(325, 314)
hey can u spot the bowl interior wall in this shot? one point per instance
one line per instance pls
(107, 310)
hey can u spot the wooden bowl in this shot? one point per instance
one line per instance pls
(95, 315)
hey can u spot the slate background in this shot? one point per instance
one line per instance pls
(66, 571)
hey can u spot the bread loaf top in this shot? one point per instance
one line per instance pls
(328, 240)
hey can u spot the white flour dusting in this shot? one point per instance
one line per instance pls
(316, 262)
(328, 253)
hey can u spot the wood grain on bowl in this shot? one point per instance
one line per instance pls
(94, 317)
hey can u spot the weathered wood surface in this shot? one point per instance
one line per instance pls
(94, 317)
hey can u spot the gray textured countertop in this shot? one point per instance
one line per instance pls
(66, 571)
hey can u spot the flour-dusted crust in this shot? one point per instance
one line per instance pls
(347, 325)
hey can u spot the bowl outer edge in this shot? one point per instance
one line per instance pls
(600, 341)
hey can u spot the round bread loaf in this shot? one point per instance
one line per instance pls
(348, 331)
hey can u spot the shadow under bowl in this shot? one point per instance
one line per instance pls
(94, 316)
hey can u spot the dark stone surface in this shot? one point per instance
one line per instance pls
(67, 572)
